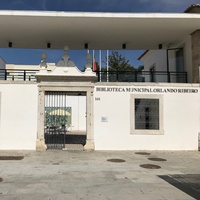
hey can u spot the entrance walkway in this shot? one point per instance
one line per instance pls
(57, 175)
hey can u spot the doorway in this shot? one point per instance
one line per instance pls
(64, 119)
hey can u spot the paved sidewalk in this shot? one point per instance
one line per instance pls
(70, 175)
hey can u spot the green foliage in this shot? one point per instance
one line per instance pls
(140, 68)
(55, 117)
(117, 62)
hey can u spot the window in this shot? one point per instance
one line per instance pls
(146, 114)
(179, 65)
(180, 60)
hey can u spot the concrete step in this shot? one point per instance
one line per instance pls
(74, 147)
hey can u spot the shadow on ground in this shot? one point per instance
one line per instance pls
(188, 183)
(58, 141)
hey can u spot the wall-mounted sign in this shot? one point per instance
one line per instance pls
(104, 119)
(145, 90)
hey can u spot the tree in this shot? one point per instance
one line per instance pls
(140, 68)
(117, 62)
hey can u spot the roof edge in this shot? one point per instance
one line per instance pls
(139, 58)
(17, 13)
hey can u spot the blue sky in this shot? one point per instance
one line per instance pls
(21, 56)
(99, 5)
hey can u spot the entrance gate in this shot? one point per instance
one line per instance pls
(57, 119)
(54, 115)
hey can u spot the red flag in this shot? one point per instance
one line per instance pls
(94, 65)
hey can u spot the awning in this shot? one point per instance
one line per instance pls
(34, 29)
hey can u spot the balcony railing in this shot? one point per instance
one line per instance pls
(142, 76)
(17, 75)
(106, 76)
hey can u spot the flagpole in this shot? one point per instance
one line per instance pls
(92, 59)
(88, 52)
(100, 65)
(107, 66)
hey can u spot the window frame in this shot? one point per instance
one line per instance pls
(132, 115)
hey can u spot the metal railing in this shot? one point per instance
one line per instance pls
(17, 75)
(142, 76)
(106, 76)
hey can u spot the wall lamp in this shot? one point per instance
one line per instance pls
(10, 44)
(48, 45)
(124, 46)
(86, 45)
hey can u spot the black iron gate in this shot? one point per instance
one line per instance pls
(57, 119)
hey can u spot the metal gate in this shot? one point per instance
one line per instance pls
(57, 119)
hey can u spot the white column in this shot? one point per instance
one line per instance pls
(40, 143)
(90, 136)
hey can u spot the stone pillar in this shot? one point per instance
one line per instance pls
(199, 142)
(89, 146)
(40, 143)
(196, 56)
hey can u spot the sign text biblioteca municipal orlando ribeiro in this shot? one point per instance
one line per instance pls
(147, 90)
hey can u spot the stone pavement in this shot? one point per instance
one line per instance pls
(71, 175)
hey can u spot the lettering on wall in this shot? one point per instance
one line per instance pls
(145, 90)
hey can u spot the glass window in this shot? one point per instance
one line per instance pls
(146, 114)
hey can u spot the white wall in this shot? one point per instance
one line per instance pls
(158, 58)
(50, 66)
(112, 117)
(180, 119)
(78, 105)
(187, 44)
(18, 116)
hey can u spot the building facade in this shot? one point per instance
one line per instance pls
(61, 102)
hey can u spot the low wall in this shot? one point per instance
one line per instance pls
(114, 117)
(18, 116)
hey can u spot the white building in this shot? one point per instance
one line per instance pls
(35, 115)
(175, 58)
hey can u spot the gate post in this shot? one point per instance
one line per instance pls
(89, 146)
(199, 141)
(40, 143)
